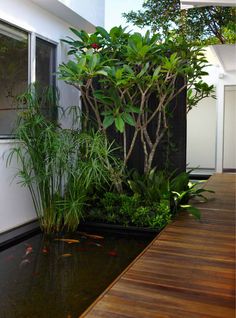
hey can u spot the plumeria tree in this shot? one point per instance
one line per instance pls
(129, 81)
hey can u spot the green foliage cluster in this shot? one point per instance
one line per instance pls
(202, 26)
(131, 210)
(151, 200)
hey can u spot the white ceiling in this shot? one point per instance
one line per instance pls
(226, 55)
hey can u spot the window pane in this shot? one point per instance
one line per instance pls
(45, 72)
(13, 74)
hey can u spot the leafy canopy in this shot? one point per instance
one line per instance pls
(206, 25)
(118, 75)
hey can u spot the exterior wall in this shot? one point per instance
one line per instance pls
(227, 78)
(205, 124)
(16, 206)
(15, 202)
(201, 135)
(229, 159)
(201, 128)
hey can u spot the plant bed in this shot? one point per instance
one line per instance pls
(117, 228)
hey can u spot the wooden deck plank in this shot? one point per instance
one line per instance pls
(187, 271)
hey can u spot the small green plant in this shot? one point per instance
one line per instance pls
(151, 187)
(161, 215)
(132, 210)
(183, 190)
(158, 186)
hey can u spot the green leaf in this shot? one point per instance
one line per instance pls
(156, 72)
(192, 210)
(120, 125)
(133, 109)
(119, 73)
(81, 62)
(103, 32)
(94, 60)
(108, 121)
(101, 72)
(143, 70)
(195, 212)
(81, 34)
(128, 119)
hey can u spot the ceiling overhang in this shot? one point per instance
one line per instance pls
(65, 13)
(225, 54)
(187, 4)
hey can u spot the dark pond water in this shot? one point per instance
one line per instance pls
(48, 278)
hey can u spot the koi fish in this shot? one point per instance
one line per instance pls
(35, 273)
(24, 262)
(95, 244)
(28, 250)
(45, 250)
(112, 253)
(66, 255)
(69, 241)
(95, 237)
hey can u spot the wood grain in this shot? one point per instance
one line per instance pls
(187, 271)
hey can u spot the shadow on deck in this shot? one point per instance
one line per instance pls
(187, 271)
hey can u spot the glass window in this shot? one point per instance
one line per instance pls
(45, 63)
(13, 74)
(45, 75)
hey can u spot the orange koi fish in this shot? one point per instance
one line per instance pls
(112, 253)
(69, 241)
(45, 250)
(66, 255)
(28, 250)
(95, 237)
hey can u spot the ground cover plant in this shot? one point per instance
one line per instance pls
(150, 200)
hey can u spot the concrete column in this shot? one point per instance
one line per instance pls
(220, 124)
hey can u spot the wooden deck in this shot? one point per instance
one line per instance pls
(187, 271)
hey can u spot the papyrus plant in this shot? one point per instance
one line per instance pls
(131, 80)
(59, 166)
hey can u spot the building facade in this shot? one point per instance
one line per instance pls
(31, 50)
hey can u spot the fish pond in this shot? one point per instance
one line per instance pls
(60, 276)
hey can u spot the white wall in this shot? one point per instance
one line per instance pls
(201, 127)
(229, 160)
(15, 202)
(201, 135)
(205, 124)
(16, 206)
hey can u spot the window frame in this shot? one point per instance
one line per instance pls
(31, 37)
